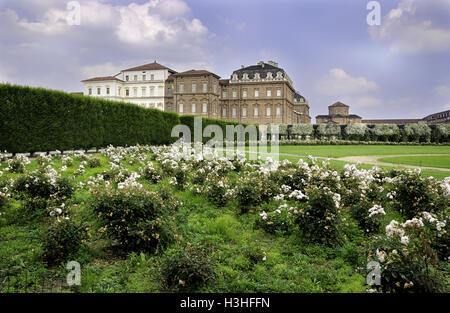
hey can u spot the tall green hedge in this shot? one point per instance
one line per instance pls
(188, 120)
(36, 119)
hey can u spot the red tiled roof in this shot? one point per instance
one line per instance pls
(101, 79)
(149, 67)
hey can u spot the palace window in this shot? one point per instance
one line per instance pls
(169, 91)
(268, 111)
(144, 91)
(127, 92)
(127, 78)
(194, 87)
(224, 94)
(107, 90)
(256, 93)
(244, 94)
(98, 91)
(224, 112)
(181, 87)
(144, 77)
(234, 93)
(244, 112)
(278, 92)
(152, 91)
(135, 92)
(205, 107)
(269, 92)
(169, 108)
(180, 108)
(278, 111)
(90, 91)
(234, 112)
(135, 77)
(194, 108)
(256, 111)
(152, 77)
(205, 87)
(161, 91)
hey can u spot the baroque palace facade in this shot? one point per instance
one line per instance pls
(259, 94)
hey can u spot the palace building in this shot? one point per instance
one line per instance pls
(338, 113)
(258, 94)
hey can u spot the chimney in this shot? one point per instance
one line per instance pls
(261, 63)
(273, 63)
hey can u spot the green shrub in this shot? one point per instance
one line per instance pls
(368, 216)
(407, 260)
(43, 184)
(216, 191)
(417, 132)
(254, 190)
(319, 219)
(412, 194)
(386, 132)
(279, 221)
(138, 219)
(62, 238)
(18, 163)
(356, 131)
(187, 268)
(94, 162)
(151, 173)
(302, 130)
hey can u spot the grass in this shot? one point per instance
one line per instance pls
(432, 161)
(362, 150)
(291, 265)
(332, 151)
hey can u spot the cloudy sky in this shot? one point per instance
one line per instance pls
(399, 69)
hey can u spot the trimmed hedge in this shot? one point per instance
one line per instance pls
(37, 119)
(188, 120)
(420, 133)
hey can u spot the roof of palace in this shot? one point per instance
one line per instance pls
(193, 73)
(261, 68)
(338, 104)
(338, 115)
(105, 78)
(149, 67)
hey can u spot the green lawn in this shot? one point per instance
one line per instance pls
(327, 151)
(433, 161)
(356, 150)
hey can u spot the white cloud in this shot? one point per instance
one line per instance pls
(410, 28)
(368, 101)
(446, 106)
(237, 25)
(159, 21)
(35, 38)
(105, 69)
(442, 90)
(339, 83)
